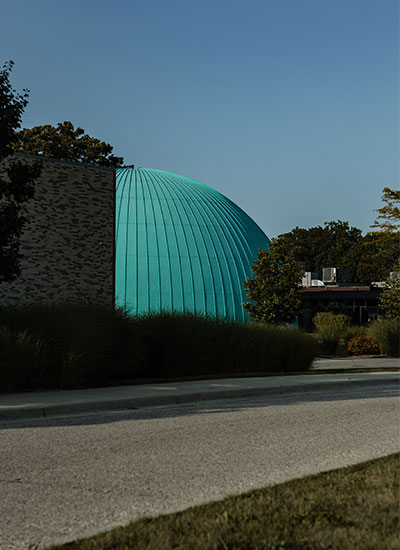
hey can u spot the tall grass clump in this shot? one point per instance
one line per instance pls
(44, 347)
(386, 333)
(329, 338)
(330, 328)
(184, 344)
(63, 346)
(24, 360)
(353, 331)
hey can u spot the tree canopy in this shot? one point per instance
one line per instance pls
(16, 178)
(66, 143)
(334, 245)
(389, 301)
(381, 248)
(274, 288)
(388, 219)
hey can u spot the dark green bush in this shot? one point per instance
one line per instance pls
(81, 346)
(362, 345)
(386, 333)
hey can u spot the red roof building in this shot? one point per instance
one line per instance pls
(360, 302)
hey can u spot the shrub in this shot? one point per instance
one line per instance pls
(328, 319)
(362, 345)
(386, 333)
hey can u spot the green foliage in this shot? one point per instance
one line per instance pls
(66, 143)
(386, 332)
(180, 344)
(334, 245)
(388, 219)
(23, 359)
(16, 181)
(330, 329)
(12, 106)
(328, 319)
(362, 345)
(61, 346)
(378, 255)
(273, 289)
(368, 258)
(329, 336)
(381, 248)
(389, 300)
(354, 330)
(79, 346)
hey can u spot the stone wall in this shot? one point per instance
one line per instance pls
(67, 245)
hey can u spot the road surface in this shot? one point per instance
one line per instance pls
(67, 477)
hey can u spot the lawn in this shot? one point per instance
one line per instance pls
(354, 508)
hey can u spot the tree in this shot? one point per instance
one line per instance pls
(16, 180)
(389, 300)
(390, 212)
(381, 247)
(66, 143)
(334, 245)
(378, 255)
(273, 290)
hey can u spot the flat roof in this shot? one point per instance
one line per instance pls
(73, 162)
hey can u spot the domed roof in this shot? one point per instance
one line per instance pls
(181, 245)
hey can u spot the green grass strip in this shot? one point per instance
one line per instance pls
(354, 508)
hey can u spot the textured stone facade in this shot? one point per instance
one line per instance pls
(67, 245)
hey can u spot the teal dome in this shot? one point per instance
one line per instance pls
(180, 246)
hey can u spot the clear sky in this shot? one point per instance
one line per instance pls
(288, 107)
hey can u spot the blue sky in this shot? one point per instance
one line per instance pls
(288, 107)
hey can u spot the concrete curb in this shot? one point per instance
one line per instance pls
(53, 410)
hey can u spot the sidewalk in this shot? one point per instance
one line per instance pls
(367, 362)
(55, 403)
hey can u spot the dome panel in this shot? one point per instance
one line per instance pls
(181, 245)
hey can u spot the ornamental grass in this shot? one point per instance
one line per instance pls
(77, 346)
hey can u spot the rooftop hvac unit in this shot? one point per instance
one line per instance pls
(329, 274)
(317, 282)
(308, 278)
(335, 275)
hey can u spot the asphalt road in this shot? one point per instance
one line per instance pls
(67, 477)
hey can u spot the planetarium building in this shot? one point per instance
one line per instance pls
(144, 240)
(180, 246)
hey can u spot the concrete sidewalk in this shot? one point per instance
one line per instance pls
(56, 403)
(367, 362)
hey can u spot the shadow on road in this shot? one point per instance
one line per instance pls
(379, 391)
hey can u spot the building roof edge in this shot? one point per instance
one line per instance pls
(61, 161)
